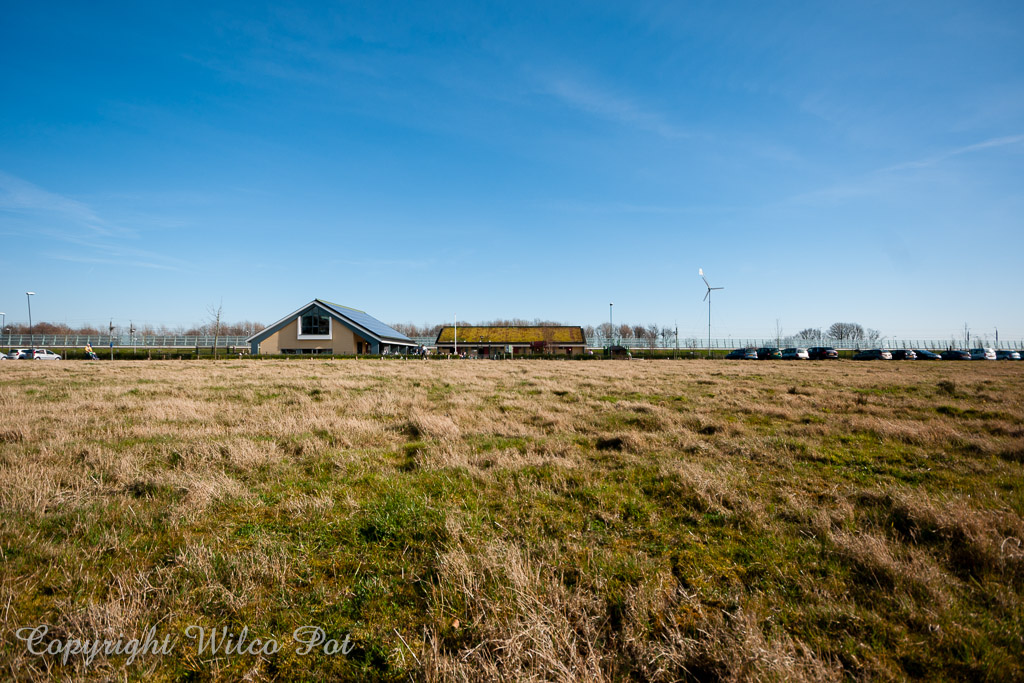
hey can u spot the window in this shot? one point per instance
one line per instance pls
(307, 352)
(314, 325)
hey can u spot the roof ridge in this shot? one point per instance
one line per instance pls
(331, 303)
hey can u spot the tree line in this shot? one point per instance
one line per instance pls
(841, 332)
(245, 328)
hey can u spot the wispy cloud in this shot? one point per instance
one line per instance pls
(22, 196)
(613, 107)
(882, 179)
(959, 151)
(61, 220)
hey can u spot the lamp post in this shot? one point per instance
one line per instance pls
(3, 325)
(611, 329)
(455, 319)
(31, 338)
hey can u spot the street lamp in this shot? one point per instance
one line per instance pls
(3, 325)
(611, 329)
(31, 339)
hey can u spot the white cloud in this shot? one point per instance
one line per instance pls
(22, 196)
(613, 107)
(968, 149)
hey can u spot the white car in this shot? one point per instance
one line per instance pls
(18, 354)
(983, 354)
(45, 354)
(798, 353)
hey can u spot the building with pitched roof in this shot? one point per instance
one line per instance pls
(322, 327)
(525, 340)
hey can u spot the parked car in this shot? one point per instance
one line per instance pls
(983, 354)
(1006, 354)
(769, 353)
(955, 354)
(903, 354)
(872, 354)
(795, 353)
(822, 353)
(18, 354)
(742, 354)
(923, 354)
(45, 354)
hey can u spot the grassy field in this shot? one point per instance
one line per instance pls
(644, 520)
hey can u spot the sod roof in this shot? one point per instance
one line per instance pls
(512, 335)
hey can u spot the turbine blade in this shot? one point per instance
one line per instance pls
(705, 281)
(706, 296)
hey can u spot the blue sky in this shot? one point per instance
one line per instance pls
(822, 161)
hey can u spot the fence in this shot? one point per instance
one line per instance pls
(596, 342)
(736, 343)
(120, 341)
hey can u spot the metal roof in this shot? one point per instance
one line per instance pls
(366, 321)
(349, 316)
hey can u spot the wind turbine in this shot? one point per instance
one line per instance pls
(707, 297)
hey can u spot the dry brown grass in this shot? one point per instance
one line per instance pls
(552, 520)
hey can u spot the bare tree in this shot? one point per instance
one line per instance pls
(872, 334)
(214, 316)
(606, 331)
(651, 334)
(845, 331)
(778, 332)
(667, 336)
(809, 333)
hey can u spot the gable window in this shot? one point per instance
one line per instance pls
(314, 325)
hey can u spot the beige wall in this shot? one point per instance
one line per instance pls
(343, 341)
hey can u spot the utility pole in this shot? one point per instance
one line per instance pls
(611, 330)
(31, 337)
(110, 333)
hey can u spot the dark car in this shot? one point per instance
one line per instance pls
(742, 354)
(903, 354)
(956, 354)
(922, 354)
(1006, 354)
(822, 353)
(872, 354)
(769, 353)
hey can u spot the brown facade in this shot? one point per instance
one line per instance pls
(343, 341)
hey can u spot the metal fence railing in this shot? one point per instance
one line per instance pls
(595, 342)
(121, 341)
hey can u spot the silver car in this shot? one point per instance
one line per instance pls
(797, 353)
(983, 354)
(18, 354)
(45, 354)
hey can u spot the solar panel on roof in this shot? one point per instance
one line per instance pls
(368, 322)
